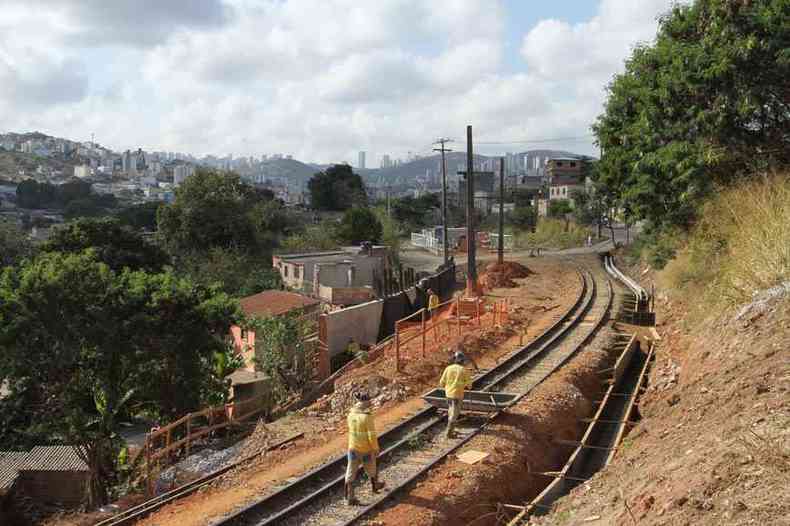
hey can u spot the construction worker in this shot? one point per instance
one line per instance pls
(363, 446)
(455, 379)
(433, 302)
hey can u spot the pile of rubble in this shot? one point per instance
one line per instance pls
(380, 389)
(502, 276)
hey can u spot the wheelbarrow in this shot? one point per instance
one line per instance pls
(475, 401)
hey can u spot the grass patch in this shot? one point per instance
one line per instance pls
(740, 245)
(553, 234)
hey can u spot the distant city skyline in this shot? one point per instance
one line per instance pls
(386, 78)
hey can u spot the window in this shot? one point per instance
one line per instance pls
(564, 190)
(573, 164)
(558, 163)
(244, 335)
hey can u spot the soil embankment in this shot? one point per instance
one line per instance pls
(713, 445)
(520, 443)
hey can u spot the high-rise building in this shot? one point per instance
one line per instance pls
(386, 162)
(181, 172)
(361, 161)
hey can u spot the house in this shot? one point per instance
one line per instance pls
(45, 474)
(566, 175)
(342, 277)
(265, 304)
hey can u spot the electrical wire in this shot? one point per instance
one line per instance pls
(539, 141)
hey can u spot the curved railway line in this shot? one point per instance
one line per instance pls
(415, 445)
(615, 412)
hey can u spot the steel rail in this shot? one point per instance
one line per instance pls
(142, 510)
(330, 475)
(613, 271)
(504, 379)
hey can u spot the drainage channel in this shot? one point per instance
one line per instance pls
(615, 414)
(410, 449)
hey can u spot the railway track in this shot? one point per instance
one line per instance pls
(136, 513)
(415, 445)
(615, 413)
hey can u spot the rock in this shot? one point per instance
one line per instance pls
(673, 400)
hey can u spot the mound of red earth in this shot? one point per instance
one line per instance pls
(502, 275)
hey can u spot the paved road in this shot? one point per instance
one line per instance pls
(420, 259)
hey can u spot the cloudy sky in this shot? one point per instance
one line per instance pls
(318, 79)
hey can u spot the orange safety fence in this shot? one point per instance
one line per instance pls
(426, 331)
(164, 444)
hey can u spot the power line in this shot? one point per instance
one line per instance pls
(537, 141)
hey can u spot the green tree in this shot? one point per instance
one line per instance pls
(559, 208)
(391, 230)
(418, 213)
(81, 344)
(141, 216)
(523, 217)
(706, 103)
(31, 194)
(214, 209)
(312, 238)
(236, 273)
(280, 353)
(358, 225)
(14, 245)
(337, 188)
(114, 244)
(522, 197)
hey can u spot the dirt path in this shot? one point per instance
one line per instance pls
(551, 289)
(519, 443)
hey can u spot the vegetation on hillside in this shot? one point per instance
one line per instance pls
(739, 247)
(337, 188)
(706, 104)
(81, 343)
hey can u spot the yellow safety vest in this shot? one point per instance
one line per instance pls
(433, 302)
(361, 432)
(454, 380)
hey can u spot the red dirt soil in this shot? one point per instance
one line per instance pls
(520, 442)
(549, 289)
(713, 447)
(499, 276)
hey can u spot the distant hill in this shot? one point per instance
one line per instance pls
(14, 164)
(406, 173)
(290, 169)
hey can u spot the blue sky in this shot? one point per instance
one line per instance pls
(317, 79)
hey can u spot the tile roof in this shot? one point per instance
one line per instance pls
(54, 458)
(9, 468)
(275, 302)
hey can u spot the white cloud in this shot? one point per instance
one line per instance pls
(319, 79)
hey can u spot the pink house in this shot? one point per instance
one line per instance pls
(268, 303)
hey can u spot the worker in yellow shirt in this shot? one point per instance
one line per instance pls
(363, 446)
(433, 302)
(455, 379)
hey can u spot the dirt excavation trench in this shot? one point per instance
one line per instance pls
(520, 443)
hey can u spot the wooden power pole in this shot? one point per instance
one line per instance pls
(445, 240)
(471, 237)
(501, 244)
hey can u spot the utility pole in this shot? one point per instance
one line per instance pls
(445, 241)
(501, 244)
(471, 238)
